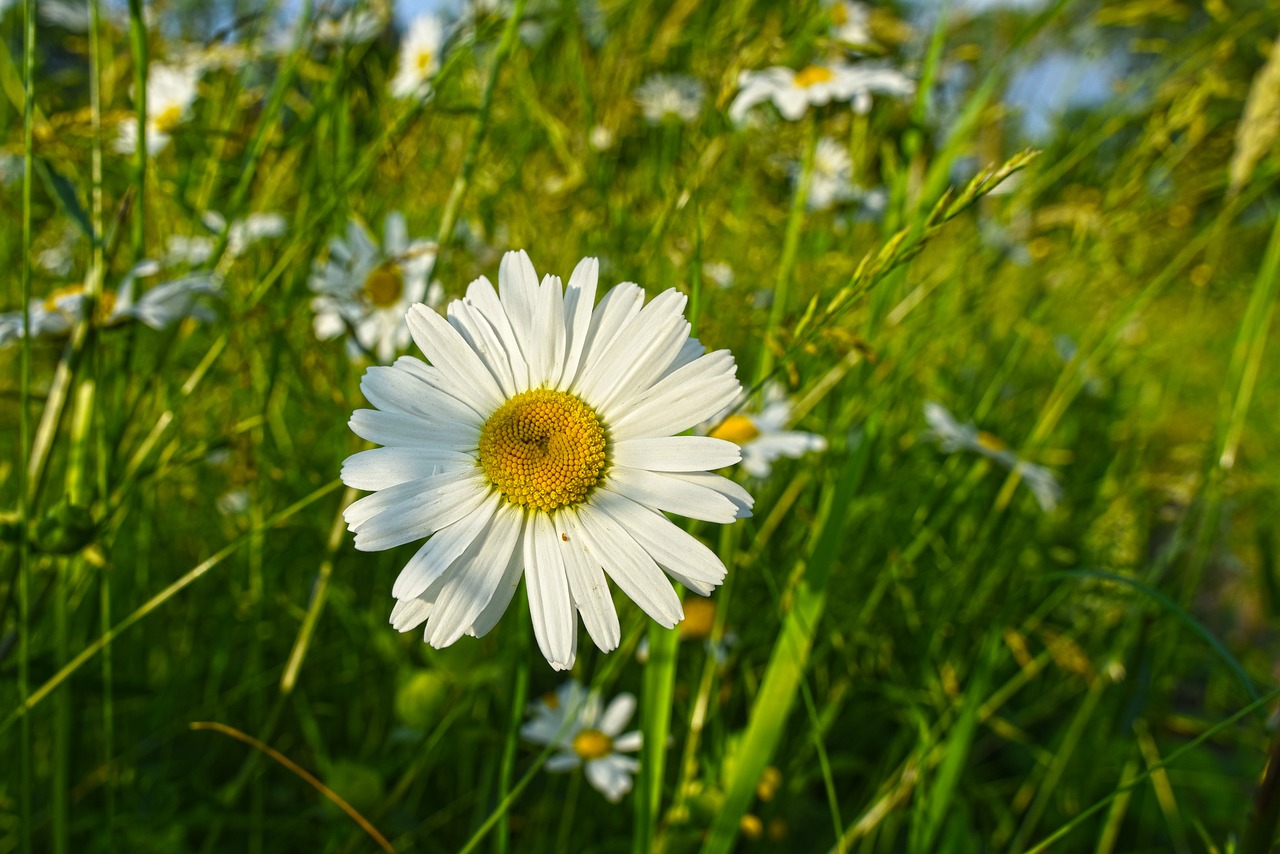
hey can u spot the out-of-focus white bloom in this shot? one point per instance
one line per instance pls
(572, 720)
(670, 96)
(10, 168)
(366, 289)
(170, 93)
(793, 92)
(355, 26)
(953, 436)
(832, 175)
(58, 260)
(158, 308)
(600, 138)
(419, 57)
(719, 272)
(233, 502)
(197, 249)
(761, 435)
(851, 23)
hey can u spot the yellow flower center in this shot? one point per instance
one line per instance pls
(106, 301)
(990, 441)
(543, 449)
(839, 15)
(813, 75)
(699, 615)
(592, 744)
(384, 285)
(424, 60)
(738, 429)
(167, 119)
(551, 700)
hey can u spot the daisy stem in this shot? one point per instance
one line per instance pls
(138, 45)
(659, 690)
(24, 418)
(458, 191)
(790, 246)
(519, 698)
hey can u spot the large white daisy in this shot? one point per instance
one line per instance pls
(542, 441)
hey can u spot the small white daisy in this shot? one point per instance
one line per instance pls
(851, 24)
(355, 26)
(571, 719)
(419, 57)
(832, 180)
(363, 290)
(953, 436)
(543, 441)
(45, 322)
(762, 435)
(664, 97)
(793, 92)
(170, 93)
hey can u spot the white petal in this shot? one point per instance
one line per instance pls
(466, 593)
(408, 614)
(518, 290)
(639, 353)
(484, 298)
(554, 619)
(629, 566)
(682, 555)
(562, 762)
(410, 511)
(461, 370)
(440, 552)
(411, 386)
(676, 453)
(628, 742)
(618, 715)
(588, 586)
(680, 400)
(503, 592)
(579, 301)
(380, 468)
(671, 493)
(610, 778)
(617, 307)
(548, 333)
(476, 331)
(402, 429)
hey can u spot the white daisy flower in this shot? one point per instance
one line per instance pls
(355, 26)
(761, 435)
(719, 272)
(543, 441)
(670, 96)
(419, 57)
(364, 290)
(170, 93)
(851, 23)
(45, 321)
(793, 92)
(953, 436)
(571, 719)
(832, 180)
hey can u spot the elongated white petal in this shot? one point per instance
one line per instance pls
(462, 371)
(619, 304)
(588, 586)
(579, 300)
(676, 453)
(642, 347)
(403, 388)
(618, 715)
(503, 592)
(380, 468)
(669, 493)
(399, 429)
(480, 334)
(554, 620)
(518, 291)
(410, 511)
(465, 594)
(680, 400)
(439, 553)
(549, 333)
(682, 555)
(629, 566)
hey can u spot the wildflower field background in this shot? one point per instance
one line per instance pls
(1012, 585)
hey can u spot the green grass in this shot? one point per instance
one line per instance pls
(909, 654)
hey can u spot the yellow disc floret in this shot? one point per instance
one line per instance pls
(543, 449)
(384, 285)
(592, 744)
(813, 75)
(738, 429)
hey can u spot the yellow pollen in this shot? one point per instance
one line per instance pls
(543, 449)
(738, 429)
(592, 744)
(812, 75)
(167, 120)
(424, 60)
(991, 442)
(384, 285)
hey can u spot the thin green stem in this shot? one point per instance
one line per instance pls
(138, 45)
